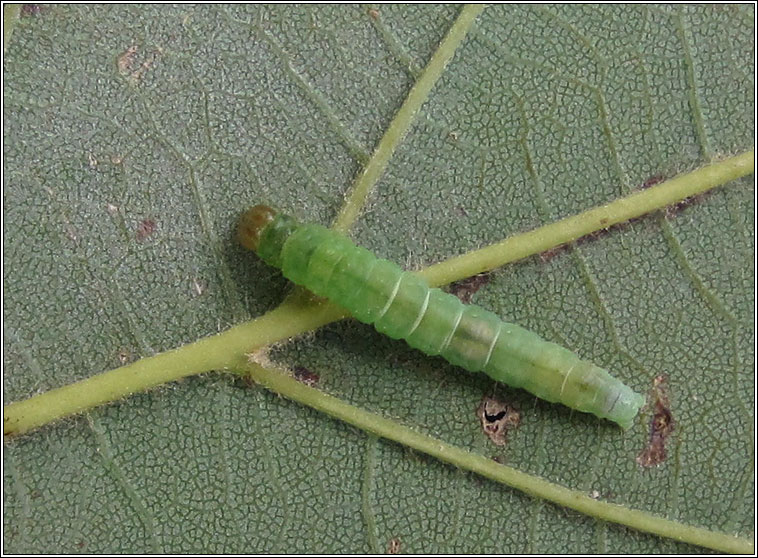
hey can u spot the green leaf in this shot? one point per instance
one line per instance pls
(135, 135)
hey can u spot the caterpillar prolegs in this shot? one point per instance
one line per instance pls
(401, 305)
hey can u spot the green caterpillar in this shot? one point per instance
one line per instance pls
(400, 304)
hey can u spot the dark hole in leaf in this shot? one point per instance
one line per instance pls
(497, 419)
(493, 418)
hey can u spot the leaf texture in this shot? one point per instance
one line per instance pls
(134, 137)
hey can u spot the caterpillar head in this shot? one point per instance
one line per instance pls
(251, 225)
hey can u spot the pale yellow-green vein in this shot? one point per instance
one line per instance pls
(226, 351)
(419, 93)
(281, 383)
(11, 14)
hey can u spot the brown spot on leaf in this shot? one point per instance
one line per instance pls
(31, 9)
(248, 381)
(130, 66)
(393, 546)
(145, 228)
(9, 428)
(652, 181)
(497, 418)
(306, 376)
(373, 12)
(674, 208)
(123, 356)
(466, 288)
(661, 424)
(548, 255)
(125, 60)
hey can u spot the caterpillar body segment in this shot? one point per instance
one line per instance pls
(401, 305)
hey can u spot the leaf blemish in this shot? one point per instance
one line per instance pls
(497, 419)
(145, 228)
(393, 547)
(466, 288)
(652, 181)
(306, 376)
(31, 9)
(548, 255)
(123, 356)
(674, 209)
(661, 424)
(125, 60)
(9, 431)
(131, 68)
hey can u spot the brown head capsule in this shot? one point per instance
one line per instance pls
(252, 223)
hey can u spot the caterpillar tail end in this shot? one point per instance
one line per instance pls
(626, 408)
(252, 223)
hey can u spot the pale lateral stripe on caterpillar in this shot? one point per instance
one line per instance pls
(401, 305)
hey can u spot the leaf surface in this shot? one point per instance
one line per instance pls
(134, 137)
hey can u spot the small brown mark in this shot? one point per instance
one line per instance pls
(373, 12)
(497, 418)
(9, 427)
(674, 208)
(548, 255)
(661, 424)
(652, 181)
(31, 9)
(466, 288)
(306, 376)
(145, 228)
(248, 381)
(123, 356)
(125, 60)
(130, 67)
(393, 546)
